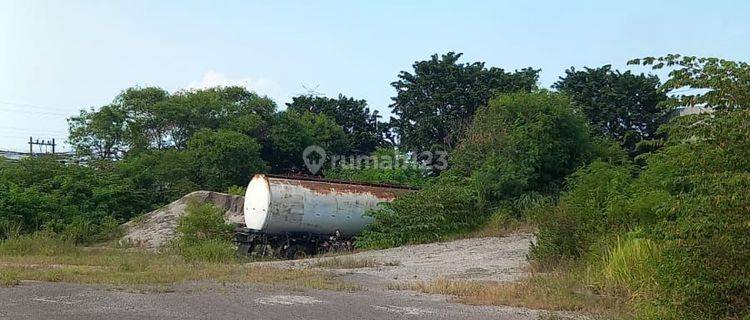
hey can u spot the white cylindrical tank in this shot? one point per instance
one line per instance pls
(276, 204)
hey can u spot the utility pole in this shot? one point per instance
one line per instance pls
(43, 143)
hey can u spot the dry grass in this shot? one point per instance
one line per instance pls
(9, 278)
(131, 267)
(555, 291)
(497, 226)
(349, 262)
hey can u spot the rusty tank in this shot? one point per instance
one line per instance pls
(282, 204)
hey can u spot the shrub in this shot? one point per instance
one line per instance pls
(236, 190)
(690, 204)
(706, 248)
(427, 215)
(203, 221)
(517, 151)
(392, 167)
(203, 235)
(83, 202)
(587, 209)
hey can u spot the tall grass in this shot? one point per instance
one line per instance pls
(44, 243)
(627, 267)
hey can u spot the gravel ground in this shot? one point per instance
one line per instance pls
(493, 259)
(42, 300)
(487, 259)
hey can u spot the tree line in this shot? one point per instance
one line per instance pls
(599, 162)
(149, 146)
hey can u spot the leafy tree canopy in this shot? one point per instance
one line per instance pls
(361, 126)
(293, 131)
(518, 150)
(146, 118)
(621, 106)
(436, 103)
(728, 82)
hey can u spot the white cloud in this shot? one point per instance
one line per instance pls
(261, 86)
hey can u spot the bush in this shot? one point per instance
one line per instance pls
(427, 215)
(203, 235)
(689, 204)
(393, 167)
(236, 190)
(518, 150)
(83, 202)
(587, 210)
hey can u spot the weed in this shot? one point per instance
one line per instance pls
(627, 267)
(38, 243)
(9, 278)
(131, 268)
(560, 290)
(349, 262)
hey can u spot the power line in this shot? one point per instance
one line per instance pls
(29, 129)
(35, 112)
(27, 105)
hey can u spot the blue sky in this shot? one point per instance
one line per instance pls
(57, 57)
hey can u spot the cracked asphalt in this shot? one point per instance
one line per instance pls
(45, 300)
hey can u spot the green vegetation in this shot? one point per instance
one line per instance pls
(236, 190)
(662, 236)
(203, 235)
(517, 152)
(363, 131)
(84, 203)
(392, 167)
(43, 257)
(672, 236)
(647, 215)
(621, 106)
(349, 262)
(436, 103)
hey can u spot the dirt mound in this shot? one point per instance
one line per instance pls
(155, 229)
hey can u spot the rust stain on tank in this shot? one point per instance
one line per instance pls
(343, 188)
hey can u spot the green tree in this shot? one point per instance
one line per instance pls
(621, 106)
(100, 134)
(214, 108)
(224, 158)
(150, 118)
(162, 174)
(435, 104)
(727, 82)
(146, 127)
(518, 150)
(293, 131)
(521, 143)
(361, 126)
(389, 166)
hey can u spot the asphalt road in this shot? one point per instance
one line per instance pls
(43, 300)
